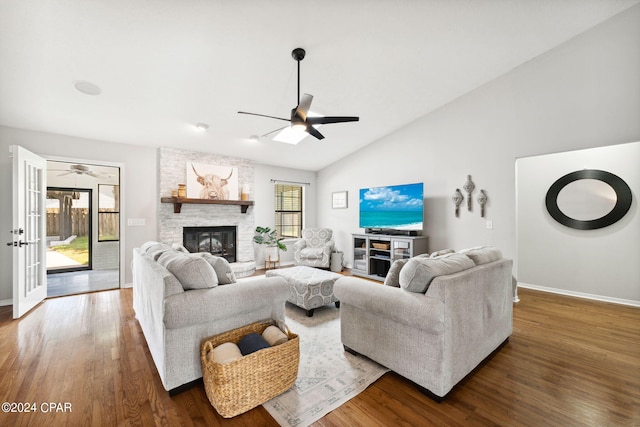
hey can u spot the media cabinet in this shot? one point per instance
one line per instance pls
(373, 254)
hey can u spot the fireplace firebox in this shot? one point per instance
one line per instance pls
(218, 241)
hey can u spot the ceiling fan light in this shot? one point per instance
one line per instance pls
(299, 127)
(202, 127)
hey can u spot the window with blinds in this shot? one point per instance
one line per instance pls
(288, 210)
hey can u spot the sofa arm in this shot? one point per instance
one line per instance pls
(408, 308)
(200, 306)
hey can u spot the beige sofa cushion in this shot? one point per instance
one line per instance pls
(191, 270)
(393, 275)
(483, 255)
(417, 274)
(221, 266)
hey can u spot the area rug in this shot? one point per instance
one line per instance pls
(327, 376)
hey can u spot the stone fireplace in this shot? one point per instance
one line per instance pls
(218, 241)
(173, 163)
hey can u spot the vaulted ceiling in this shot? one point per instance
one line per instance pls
(165, 65)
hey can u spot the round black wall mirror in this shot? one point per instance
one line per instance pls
(620, 209)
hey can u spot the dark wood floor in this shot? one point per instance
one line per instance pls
(569, 362)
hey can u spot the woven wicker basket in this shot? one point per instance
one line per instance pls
(384, 246)
(236, 387)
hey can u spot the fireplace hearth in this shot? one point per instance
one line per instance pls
(218, 241)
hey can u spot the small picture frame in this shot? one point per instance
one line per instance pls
(339, 200)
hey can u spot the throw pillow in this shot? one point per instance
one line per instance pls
(393, 276)
(167, 256)
(178, 247)
(483, 255)
(221, 266)
(157, 249)
(418, 273)
(441, 252)
(192, 272)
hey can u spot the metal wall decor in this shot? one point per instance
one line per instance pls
(620, 209)
(457, 200)
(482, 200)
(469, 186)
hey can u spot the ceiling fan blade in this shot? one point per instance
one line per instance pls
(314, 132)
(274, 131)
(66, 173)
(263, 115)
(303, 106)
(331, 119)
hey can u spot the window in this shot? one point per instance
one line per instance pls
(288, 210)
(108, 213)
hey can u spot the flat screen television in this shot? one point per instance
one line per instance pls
(392, 208)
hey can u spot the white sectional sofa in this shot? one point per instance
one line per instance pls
(180, 299)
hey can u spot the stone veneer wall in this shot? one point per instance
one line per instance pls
(173, 164)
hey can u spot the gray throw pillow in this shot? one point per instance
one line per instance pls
(193, 272)
(441, 252)
(393, 276)
(157, 249)
(178, 247)
(221, 266)
(418, 273)
(483, 255)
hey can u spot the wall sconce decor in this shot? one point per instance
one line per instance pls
(622, 202)
(482, 200)
(469, 186)
(457, 200)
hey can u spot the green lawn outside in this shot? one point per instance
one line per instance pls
(77, 250)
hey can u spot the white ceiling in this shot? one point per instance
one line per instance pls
(165, 65)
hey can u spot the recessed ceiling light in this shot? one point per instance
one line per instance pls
(87, 88)
(254, 138)
(202, 127)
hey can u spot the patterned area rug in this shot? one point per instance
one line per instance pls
(327, 377)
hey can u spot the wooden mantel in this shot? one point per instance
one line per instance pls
(178, 201)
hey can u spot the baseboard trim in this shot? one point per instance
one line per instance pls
(584, 295)
(4, 302)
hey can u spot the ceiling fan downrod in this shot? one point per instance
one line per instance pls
(298, 54)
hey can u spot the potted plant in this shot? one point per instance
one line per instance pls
(268, 237)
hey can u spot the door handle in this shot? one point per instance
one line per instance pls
(21, 243)
(12, 244)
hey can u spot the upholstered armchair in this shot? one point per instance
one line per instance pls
(314, 248)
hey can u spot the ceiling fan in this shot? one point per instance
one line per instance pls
(299, 115)
(79, 170)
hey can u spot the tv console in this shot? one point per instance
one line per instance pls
(374, 253)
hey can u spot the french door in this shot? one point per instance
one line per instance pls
(28, 230)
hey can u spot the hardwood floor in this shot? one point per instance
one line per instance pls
(569, 362)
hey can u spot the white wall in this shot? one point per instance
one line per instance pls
(582, 94)
(601, 262)
(138, 192)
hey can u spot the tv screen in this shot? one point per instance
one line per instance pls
(395, 207)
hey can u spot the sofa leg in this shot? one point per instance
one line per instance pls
(310, 313)
(350, 350)
(337, 304)
(430, 394)
(184, 387)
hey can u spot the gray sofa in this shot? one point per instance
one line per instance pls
(436, 321)
(180, 299)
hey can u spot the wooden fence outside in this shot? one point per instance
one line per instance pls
(79, 222)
